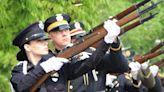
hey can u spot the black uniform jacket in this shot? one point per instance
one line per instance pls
(57, 82)
(112, 62)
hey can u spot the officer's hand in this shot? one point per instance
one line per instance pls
(85, 55)
(113, 30)
(145, 65)
(154, 70)
(109, 79)
(135, 67)
(53, 63)
(110, 17)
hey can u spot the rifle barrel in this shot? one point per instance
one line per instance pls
(130, 9)
(156, 47)
(135, 24)
(159, 63)
(154, 5)
(142, 59)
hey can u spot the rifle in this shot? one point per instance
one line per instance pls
(151, 54)
(137, 23)
(156, 47)
(131, 26)
(129, 17)
(142, 59)
(99, 33)
(159, 63)
(130, 9)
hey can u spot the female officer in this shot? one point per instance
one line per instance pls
(33, 58)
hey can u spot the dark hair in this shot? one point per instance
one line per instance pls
(21, 55)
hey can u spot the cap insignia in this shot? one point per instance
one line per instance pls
(77, 25)
(59, 17)
(41, 25)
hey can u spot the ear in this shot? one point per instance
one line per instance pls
(50, 35)
(27, 47)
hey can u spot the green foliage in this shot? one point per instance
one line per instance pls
(17, 14)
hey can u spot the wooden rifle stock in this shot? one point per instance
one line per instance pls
(142, 59)
(38, 83)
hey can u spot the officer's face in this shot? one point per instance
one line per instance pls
(38, 47)
(60, 38)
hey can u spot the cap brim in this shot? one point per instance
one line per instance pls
(61, 27)
(77, 32)
(43, 38)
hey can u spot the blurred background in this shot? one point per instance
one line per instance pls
(15, 15)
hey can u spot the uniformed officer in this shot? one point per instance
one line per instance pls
(148, 75)
(77, 31)
(57, 26)
(123, 83)
(81, 84)
(33, 57)
(92, 81)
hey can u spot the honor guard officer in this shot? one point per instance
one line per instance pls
(33, 57)
(58, 29)
(122, 83)
(91, 81)
(127, 82)
(140, 79)
(77, 31)
(80, 84)
(150, 81)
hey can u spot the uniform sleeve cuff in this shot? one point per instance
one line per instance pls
(148, 75)
(115, 46)
(136, 83)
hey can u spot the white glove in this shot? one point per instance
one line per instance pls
(135, 67)
(145, 65)
(109, 79)
(53, 63)
(84, 55)
(110, 17)
(154, 70)
(113, 30)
